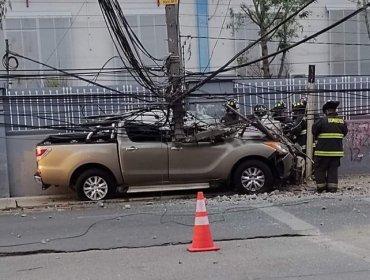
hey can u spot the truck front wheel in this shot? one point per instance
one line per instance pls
(95, 184)
(253, 176)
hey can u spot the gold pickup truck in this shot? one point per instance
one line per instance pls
(141, 157)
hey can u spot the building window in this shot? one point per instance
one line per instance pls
(50, 40)
(151, 30)
(349, 44)
(42, 39)
(245, 32)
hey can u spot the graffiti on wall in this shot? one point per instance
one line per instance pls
(358, 139)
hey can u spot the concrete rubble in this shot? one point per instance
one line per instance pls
(348, 186)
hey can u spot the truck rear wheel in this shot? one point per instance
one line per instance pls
(253, 176)
(95, 184)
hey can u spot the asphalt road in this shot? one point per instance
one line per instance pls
(318, 237)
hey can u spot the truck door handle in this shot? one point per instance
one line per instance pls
(132, 148)
(176, 148)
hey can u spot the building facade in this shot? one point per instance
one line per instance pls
(73, 35)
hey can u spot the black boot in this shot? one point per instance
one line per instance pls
(333, 188)
(321, 188)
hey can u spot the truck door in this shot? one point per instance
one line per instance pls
(195, 162)
(144, 160)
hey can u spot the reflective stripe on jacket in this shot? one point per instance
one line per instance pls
(329, 131)
(331, 135)
(329, 154)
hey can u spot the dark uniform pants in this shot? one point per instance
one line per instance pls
(326, 173)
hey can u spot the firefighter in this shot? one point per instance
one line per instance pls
(260, 111)
(299, 127)
(280, 114)
(230, 117)
(329, 131)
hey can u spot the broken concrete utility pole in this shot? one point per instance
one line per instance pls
(174, 70)
(311, 105)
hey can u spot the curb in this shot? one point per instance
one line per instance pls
(34, 201)
(7, 203)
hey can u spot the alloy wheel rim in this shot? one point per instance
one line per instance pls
(95, 188)
(253, 179)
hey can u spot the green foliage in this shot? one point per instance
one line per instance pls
(4, 5)
(56, 82)
(267, 14)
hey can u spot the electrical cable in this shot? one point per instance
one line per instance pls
(73, 75)
(224, 67)
(7, 63)
(127, 42)
(299, 42)
(65, 33)
(162, 215)
(219, 34)
(101, 69)
(272, 41)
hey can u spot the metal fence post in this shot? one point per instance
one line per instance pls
(4, 174)
(310, 119)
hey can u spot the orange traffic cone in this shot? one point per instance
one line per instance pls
(202, 237)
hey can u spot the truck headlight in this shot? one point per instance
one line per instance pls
(280, 148)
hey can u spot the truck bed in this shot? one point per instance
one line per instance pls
(78, 138)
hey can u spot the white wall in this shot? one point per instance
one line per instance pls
(314, 52)
(311, 52)
(92, 46)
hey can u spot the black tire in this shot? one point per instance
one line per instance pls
(259, 174)
(95, 184)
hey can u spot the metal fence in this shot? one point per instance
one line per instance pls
(352, 92)
(40, 109)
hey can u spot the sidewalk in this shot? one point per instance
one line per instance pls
(36, 201)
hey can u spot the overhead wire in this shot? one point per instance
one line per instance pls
(66, 32)
(299, 42)
(222, 69)
(71, 74)
(273, 41)
(127, 44)
(219, 34)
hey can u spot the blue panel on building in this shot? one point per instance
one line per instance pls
(202, 23)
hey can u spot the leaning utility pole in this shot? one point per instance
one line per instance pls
(310, 119)
(174, 69)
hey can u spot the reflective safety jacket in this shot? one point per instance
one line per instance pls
(329, 132)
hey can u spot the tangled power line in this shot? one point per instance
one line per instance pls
(153, 78)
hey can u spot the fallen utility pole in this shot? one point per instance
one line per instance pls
(310, 119)
(174, 71)
(255, 122)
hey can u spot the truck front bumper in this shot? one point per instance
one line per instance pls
(287, 162)
(283, 164)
